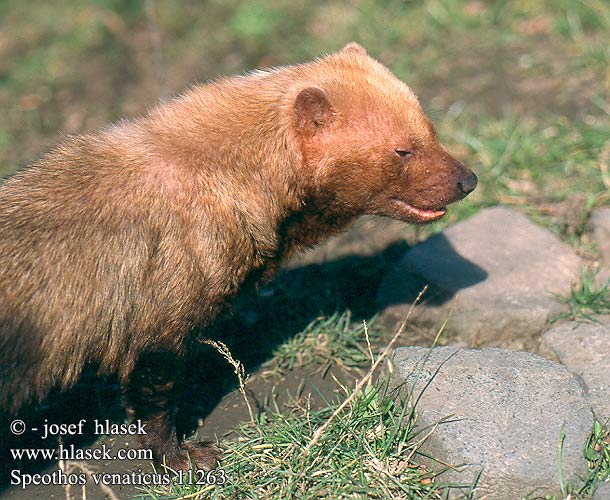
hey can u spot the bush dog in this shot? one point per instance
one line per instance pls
(117, 246)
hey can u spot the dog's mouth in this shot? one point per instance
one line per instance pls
(417, 215)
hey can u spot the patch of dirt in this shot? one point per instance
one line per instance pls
(531, 76)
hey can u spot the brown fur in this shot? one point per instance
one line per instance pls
(115, 246)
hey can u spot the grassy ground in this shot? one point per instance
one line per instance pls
(518, 89)
(371, 449)
(366, 453)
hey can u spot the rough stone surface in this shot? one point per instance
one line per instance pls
(507, 410)
(503, 268)
(602, 492)
(584, 348)
(600, 230)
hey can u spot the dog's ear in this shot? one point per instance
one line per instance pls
(354, 48)
(313, 111)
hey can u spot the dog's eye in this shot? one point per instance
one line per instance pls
(403, 153)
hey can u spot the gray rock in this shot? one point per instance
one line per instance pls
(584, 348)
(599, 222)
(507, 411)
(602, 492)
(503, 268)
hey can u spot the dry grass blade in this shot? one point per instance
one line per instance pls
(238, 368)
(360, 385)
(604, 158)
(70, 466)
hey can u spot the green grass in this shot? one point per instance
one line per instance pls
(597, 453)
(326, 341)
(597, 456)
(590, 297)
(366, 453)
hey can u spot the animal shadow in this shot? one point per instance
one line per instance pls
(255, 325)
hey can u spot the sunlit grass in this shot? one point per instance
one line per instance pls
(590, 297)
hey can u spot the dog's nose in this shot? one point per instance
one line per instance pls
(467, 184)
